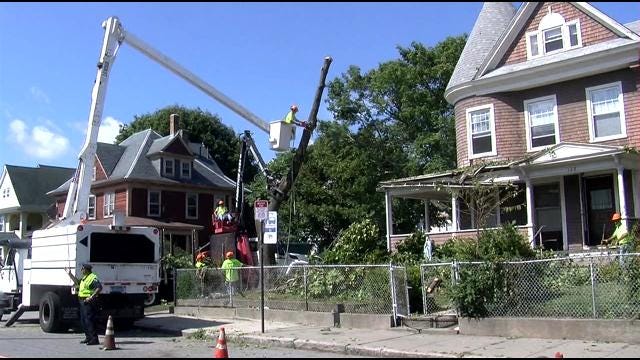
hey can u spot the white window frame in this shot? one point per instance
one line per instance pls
(623, 123)
(562, 39)
(566, 40)
(527, 123)
(186, 202)
(173, 167)
(182, 164)
(93, 174)
(149, 202)
(109, 204)
(89, 207)
(492, 125)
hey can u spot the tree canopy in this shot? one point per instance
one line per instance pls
(390, 122)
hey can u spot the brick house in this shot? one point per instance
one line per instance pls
(165, 182)
(547, 98)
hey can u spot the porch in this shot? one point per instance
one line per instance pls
(568, 192)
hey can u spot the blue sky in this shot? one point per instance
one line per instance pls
(265, 56)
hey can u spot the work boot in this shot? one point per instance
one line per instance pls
(84, 341)
(93, 342)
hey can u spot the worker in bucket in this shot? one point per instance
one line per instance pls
(221, 212)
(291, 119)
(88, 289)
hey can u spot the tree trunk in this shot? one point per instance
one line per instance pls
(286, 183)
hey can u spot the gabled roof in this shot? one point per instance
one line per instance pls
(634, 26)
(109, 155)
(520, 20)
(491, 23)
(134, 163)
(161, 144)
(31, 185)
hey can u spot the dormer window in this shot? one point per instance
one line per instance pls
(553, 35)
(185, 170)
(168, 167)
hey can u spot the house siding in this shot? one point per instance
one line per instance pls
(100, 174)
(573, 122)
(592, 32)
(176, 147)
(139, 202)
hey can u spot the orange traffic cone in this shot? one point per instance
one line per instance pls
(559, 355)
(221, 347)
(109, 339)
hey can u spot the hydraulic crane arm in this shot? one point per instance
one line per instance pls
(77, 197)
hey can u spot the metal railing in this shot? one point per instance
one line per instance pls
(594, 287)
(365, 289)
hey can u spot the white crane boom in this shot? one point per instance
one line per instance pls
(77, 197)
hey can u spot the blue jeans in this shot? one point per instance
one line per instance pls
(88, 312)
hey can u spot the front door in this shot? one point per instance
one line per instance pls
(548, 216)
(600, 206)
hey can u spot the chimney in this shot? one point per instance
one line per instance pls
(174, 124)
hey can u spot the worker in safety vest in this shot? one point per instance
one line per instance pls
(620, 237)
(231, 273)
(88, 288)
(221, 212)
(291, 117)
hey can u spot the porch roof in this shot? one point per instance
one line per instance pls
(139, 221)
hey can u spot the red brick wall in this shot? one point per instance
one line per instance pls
(592, 32)
(100, 174)
(572, 114)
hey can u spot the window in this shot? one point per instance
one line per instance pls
(553, 35)
(552, 39)
(605, 108)
(192, 206)
(541, 122)
(93, 175)
(153, 203)
(186, 170)
(481, 131)
(5, 193)
(109, 204)
(1, 228)
(91, 209)
(168, 167)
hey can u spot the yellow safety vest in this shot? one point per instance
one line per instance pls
(85, 291)
(228, 266)
(221, 210)
(290, 118)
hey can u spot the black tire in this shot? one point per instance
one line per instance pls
(51, 313)
(151, 299)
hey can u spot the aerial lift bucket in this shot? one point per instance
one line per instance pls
(280, 134)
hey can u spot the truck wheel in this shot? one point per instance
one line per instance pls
(51, 313)
(150, 299)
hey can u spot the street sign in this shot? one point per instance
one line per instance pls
(271, 228)
(261, 209)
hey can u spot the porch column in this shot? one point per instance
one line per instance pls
(529, 196)
(623, 202)
(389, 211)
(635, 185)
(454, 212)
(23, 224)
(427, 225)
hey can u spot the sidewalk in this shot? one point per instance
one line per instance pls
(393, 342)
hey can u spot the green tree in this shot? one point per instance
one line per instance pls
(202, 126)
(390, 122)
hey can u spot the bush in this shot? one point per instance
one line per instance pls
(359, 244)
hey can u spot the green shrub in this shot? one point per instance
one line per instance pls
(359, 244)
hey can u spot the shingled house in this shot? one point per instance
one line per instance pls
(23, 197)
(547, 98)
(166, 182)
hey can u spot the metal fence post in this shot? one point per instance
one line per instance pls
(393, 295)
(424, 293)
(175, 286)
(306, 296)
(593, 288)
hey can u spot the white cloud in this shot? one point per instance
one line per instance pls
(109, 129)
(40, 142)
(40, 95)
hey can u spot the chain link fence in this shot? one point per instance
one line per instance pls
(365, 289)
(590, 287)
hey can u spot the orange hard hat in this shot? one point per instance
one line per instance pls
(294, 107)
(200, 256)
(616, 217)
(221, 202)
(229, 254)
